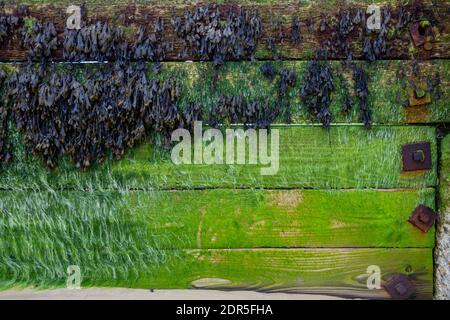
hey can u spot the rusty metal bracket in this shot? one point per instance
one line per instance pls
(418, 38)
(419, 97)
(416, 156)
(423, 217)
(399, 287)
(422, 34)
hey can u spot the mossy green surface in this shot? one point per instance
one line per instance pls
(135, 239)
(309, 157)
(148, 239)
(343, 272)
(43, 233)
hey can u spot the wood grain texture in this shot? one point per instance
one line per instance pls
(131, 14)
(335, 272)
(221, 219)
(309, 157)
(119, 247)
(236, 236)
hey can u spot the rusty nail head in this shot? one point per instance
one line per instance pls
(423, 217)
(419, 155)
(428, 46)
(416, 156)
(399, 287)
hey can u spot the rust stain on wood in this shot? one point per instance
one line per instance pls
(285, 199)
(417, 114)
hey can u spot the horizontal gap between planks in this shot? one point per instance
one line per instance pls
(335, 125)
(184, 3)
(281, 248)
(61, 61)
(434, 125)
(350, 124)
(174, 61)
(215, 188)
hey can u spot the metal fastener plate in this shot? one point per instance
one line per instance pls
(423, 217)
(399, 287)
(418, 39)
(414, 100)
(416, 156)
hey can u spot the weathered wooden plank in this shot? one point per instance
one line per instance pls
(114, 248)
(390, 84)
(313, 218)
(331, 272)
(309, 157)
(131, 14)
(42, 234)
(221, 219)
(338, 272)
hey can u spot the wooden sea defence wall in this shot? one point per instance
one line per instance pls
(339, 203)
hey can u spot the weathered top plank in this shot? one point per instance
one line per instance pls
(275, 16)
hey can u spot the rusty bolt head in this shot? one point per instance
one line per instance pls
(419, 93)
(422, 34)
(423, 217)
(416, 156)
(428, 46)
(419, 155)
(399, 287)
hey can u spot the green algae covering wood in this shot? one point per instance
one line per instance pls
(220, 219)
(226, 226)
(309, 157)
(337, 272)
(340, 272)
(118, 241)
